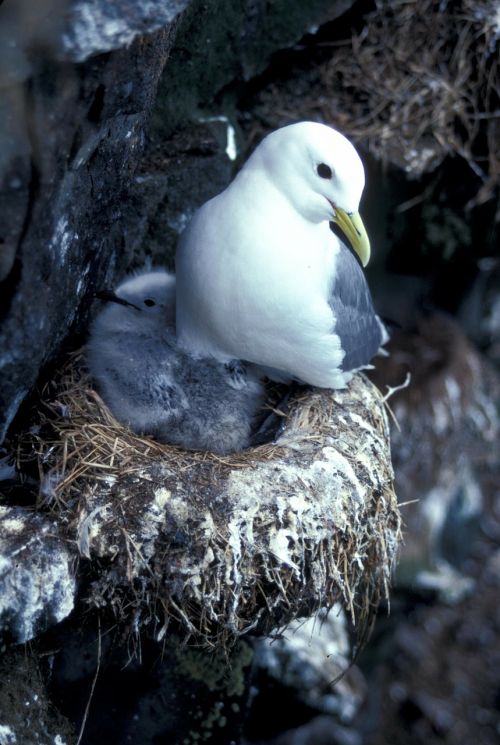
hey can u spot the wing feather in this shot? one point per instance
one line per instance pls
(360, 330)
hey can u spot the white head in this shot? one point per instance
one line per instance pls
(319, 172)
(141, 300)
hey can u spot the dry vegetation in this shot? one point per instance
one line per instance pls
(418, 83)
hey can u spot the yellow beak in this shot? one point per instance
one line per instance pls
(352, 226)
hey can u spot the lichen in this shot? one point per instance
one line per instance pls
(215, 670)
(36, 574)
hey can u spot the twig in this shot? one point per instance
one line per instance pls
(391, 390)
(84, 720)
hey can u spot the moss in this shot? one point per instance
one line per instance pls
(226, 678)
(215, 670)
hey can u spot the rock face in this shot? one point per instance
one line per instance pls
(26, 714)
(37, 582)
(74, 136)
(78, 81)
(308, 657)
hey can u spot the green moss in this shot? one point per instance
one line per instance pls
(215, 670)
(213, 720)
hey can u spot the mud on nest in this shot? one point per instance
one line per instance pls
(226, 545)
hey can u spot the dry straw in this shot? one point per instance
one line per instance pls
(419, 82)
(226, 545)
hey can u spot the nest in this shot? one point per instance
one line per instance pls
(227, 545)
(418, 83)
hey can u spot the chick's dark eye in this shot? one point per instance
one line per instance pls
(149, 302)
(324, 171)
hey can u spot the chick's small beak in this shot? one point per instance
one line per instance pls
(351, 225)
(110, 297)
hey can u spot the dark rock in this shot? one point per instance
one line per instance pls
(171, 182)
(439, 681)
(27, 716)
(144, 694)
(72, 162)
(37, 582)
(226, 42)
(94, 27)
(15, 172)
(304, 670)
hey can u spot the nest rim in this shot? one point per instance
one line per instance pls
(90, 446)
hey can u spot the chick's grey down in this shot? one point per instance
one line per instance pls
(157, 389)
(261, 276)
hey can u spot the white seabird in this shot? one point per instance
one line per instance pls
(261, 276)
(156, 388)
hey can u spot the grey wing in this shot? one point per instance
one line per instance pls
(356, 323)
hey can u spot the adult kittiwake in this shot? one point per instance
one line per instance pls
(156, 388)
(262, 277)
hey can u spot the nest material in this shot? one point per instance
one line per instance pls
(418, 83)
(227, 545)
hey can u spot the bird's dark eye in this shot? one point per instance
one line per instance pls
(324, 171)
(149, 302)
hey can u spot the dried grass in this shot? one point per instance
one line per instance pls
(418, 83)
